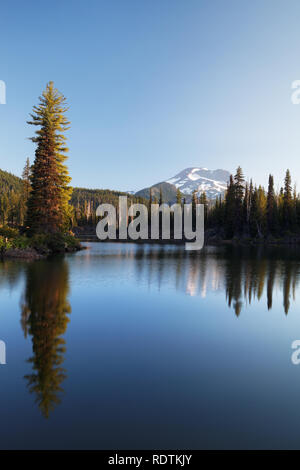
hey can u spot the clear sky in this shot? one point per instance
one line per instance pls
(155, 86)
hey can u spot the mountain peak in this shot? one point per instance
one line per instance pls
(200, 179)
(213, 182)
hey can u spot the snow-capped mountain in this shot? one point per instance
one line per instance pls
(213, 182)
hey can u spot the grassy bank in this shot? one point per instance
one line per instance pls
(13, 244)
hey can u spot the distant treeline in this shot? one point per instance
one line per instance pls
(245, 211)
(12, 202)
(84, 202)
(252, 211)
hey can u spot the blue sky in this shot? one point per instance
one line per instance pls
(155, 86)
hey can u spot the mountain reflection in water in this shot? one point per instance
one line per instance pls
(243, 273)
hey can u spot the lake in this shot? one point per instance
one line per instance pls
(132, 346)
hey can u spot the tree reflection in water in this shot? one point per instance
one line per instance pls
(249, 272)
(44, 309)
(245, 274)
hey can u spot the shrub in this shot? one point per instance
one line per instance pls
(43, 243)
(8, 232)
(5, 244)
(54, 243)
(20, 242)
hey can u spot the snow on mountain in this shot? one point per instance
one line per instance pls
(213, 182)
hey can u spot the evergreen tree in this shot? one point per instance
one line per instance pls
(26, 179)
(203, 200)
(294, 210)
(271, 207)
(246, 208)
(262, 210)
(161, 200)
(287, 201)
(194, 204)
(253, 213)
(48, 204)
(230, 208)
(26, 188)
(238, 196)
(178, 196)
(258, 212)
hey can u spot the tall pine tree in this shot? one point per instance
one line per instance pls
(48, 204)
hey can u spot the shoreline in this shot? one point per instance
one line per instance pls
(31, 254)
(209, 242)
(212, 237)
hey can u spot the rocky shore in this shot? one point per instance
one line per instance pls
(25, 253)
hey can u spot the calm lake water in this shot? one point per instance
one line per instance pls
(126, 346)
